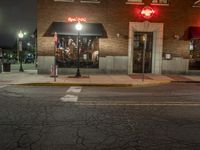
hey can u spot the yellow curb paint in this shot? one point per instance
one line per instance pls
(94, 84)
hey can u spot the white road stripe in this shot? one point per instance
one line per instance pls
(3, 86)
(74, 89)
(69, 98)
(137, 104)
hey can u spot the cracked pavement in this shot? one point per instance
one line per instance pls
(34, 118)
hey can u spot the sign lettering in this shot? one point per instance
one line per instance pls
(76, 19)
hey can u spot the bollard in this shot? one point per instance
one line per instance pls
(54, 71)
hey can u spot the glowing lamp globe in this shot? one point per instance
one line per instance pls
(79, 26)
(20, 35)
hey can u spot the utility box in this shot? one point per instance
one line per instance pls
(6, 67)
(1, 65)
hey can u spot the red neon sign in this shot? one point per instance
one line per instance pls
(76, 19)
(147, 12)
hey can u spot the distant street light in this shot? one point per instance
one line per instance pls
(20, 49)
(78, 27)
(28, 44)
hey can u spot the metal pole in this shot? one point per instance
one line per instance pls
(35, 45)
(18, 50)
(1, 60)
(78, 74)
(20, 54)
(143, 56)
(54, 67)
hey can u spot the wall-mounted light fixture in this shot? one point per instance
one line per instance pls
(176, 36)
(118, 35)
(167, 56)
(191, 46)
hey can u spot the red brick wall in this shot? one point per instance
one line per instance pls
(115, 15)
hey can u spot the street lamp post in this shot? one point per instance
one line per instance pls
(20, 37)
(78, 27)
(33, 36)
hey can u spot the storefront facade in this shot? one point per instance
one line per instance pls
(112, 40)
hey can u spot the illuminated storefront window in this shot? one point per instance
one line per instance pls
(196, 3)
(160, 2)
(134, 2)
(66, 52)
(194, 47)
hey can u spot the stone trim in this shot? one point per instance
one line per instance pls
(157, 29)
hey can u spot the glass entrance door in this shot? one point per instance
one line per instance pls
(139, 47)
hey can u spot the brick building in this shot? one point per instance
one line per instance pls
(117, 32)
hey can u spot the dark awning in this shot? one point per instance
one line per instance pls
(194, 32)
(63, 28)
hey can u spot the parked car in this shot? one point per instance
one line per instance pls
(29, 59)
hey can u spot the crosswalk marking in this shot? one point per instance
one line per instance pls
(71, 97)
(3, 86)
(74, 89)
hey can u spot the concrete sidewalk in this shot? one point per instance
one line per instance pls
(32, 78)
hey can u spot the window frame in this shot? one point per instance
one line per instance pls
(135, 2)
(66, 1)
(160, 3)
(91, 1)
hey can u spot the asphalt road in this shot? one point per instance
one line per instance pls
(163, 117)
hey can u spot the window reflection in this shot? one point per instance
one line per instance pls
(194, 46)
(66, 51)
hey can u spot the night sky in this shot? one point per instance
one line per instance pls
(16, 15)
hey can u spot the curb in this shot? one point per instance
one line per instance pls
(185, 81)
(76, 84)
(151, 84)
(93, 84)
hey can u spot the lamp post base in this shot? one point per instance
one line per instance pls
(78, 74)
